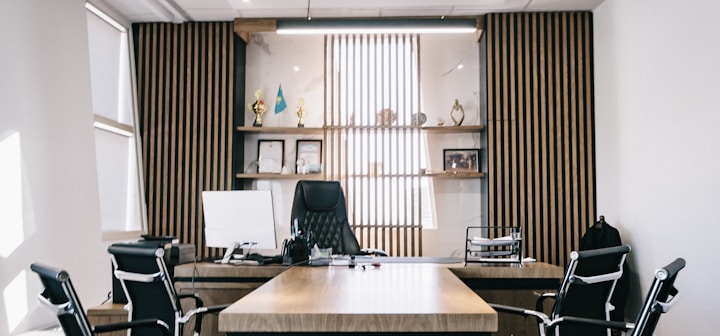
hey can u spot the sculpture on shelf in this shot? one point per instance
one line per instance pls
(457, 107)
(301, 112)
(258, 107)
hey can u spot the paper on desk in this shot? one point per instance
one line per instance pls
(489, 242)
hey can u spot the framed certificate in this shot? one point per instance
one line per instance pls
(308, 158)
(270, 156)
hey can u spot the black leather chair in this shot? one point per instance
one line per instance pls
(321, 215)
(585, 291)
(143, 274)
(661, 297)
(60, 297)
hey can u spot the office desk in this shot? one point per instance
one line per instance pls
(394, 298)
(505, 284)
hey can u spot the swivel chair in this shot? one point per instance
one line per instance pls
(143, 275)
(661, 297)
(321, 215)
(585, 291)
(60, 297)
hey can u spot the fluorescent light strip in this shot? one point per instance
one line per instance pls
(400, 26)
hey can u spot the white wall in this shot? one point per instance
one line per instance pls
(52, 215)
(657, 71)
(297, 63)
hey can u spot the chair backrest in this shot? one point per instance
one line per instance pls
(661, 297)
(588, 286)
(321, 214)
(147, 284)
(60, 296)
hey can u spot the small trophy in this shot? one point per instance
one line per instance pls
(258, 107)
(459, 108)
(301, 112)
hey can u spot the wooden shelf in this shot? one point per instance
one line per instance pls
(453, 129)
(454, 175)
(268, 176)
(281, 130)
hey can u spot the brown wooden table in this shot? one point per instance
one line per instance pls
(392, 298)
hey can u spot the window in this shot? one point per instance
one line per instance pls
(374, 144)
(117, 150)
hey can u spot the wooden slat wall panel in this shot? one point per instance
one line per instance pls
(540, 128)
(383, 203)
(185, 97)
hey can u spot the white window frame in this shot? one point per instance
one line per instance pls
(135, 209)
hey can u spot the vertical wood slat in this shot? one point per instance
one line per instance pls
(540, 128)
(185, 99)
(355, 141)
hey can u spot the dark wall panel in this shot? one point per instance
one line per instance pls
(185, 80)
(540, 128)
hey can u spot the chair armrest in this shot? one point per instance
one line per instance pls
(200, 312)
(376, 252)
(145, 323)
(541, 317)
(541, 300)
(587, 321)
(198, 301)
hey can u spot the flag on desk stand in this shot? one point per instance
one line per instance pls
(280, 101)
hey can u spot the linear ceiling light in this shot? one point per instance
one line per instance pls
(377, 26)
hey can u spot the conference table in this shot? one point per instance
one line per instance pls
(390, 298)
(434, 295)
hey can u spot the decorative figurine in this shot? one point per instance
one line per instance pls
(258, 107)
(459, 108)
(301, 112)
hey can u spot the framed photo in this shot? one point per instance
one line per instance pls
(308, 159)
(270, 156)
(463, 160)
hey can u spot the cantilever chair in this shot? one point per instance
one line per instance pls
(320, 211)
(585, 292)
(661, 297)
(144, 277)
(60, 297)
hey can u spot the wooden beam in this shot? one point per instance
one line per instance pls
(243, 27)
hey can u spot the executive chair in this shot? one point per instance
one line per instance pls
(60, 297)
(661, 297)
(585, 291)
(144, 277)
(320, 213)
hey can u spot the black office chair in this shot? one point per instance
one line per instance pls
(144, 277)
(320, 213)
(60, 297)
(661, 297)
(584, 292)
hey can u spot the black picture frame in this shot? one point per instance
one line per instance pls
(308, 156)
(271, 156)
(461, 160)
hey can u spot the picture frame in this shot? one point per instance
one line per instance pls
(461, 160)
(271, 154)
(308, 157)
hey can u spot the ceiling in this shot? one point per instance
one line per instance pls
(226, 10)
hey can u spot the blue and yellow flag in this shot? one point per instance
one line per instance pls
(280, 101)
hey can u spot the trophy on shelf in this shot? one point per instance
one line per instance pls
(258, 107)
(301, 112)
(457, 107)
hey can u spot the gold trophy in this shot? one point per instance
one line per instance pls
(258, 107)
(301, 112)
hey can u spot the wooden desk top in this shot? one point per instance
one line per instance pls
(394, 297)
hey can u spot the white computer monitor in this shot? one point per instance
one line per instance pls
(243, 217)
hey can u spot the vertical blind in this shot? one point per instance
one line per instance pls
(541, 156)
(373, 149)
